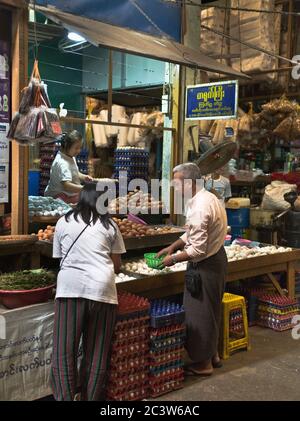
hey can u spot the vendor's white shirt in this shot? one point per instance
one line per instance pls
(88, 271)
(206, 226)
(64, 168)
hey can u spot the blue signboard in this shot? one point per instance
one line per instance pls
(212, 101)
(166, 16)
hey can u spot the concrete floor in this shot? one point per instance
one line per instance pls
(269, 371)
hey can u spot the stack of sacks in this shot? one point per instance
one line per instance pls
(102, 134)
(135, 135)
(256, 29)
(209, 41)
(143, 137)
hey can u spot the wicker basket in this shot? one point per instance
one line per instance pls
(17, 240)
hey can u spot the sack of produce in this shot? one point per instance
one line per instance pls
(273, 198)
(281, 105)
(296, 127)
(219, 133)
(205, 126)
(246, 125)
(284, 129)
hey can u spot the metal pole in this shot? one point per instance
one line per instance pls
(110, 84)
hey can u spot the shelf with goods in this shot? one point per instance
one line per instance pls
(47, 155)
(253, 189)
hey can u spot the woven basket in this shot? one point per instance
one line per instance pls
(17, 240)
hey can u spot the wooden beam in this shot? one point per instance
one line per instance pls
(20, 154)
(276, 284)
(79, 120)
(13, 3)
(291, 279)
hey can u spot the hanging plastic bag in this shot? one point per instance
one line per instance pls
(13, 126)
(36, 121)
(27, 125)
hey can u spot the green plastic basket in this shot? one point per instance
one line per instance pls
(153, 261)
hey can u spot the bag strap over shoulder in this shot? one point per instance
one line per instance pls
(65, 256)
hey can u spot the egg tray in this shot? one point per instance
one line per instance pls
(155, 380)
(278, 323)
(289, 302)
(130, 351)
(131, 303)
(168, 387)
(141, 342)
(128, 383)
(129, 314)
(154, 353)
(277, 328)
(131, 331)
(158, 361)
(279, 311)
(127, 324)
(173, 365)
(167, 319)
(167, 335)
(167, 344)
(127, 364)
(135, 395)
(129, 340)
(165, 332)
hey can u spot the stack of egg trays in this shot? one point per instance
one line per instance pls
(277, 316)
(129, 365)
(166, 359)
(133, 160)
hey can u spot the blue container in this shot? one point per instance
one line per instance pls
(238, 218)
(33, 182)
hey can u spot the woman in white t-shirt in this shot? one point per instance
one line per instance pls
(65, 178)
(90, 244)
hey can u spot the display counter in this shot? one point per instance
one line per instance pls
(170, 283)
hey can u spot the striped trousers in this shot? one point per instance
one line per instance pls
(77, 318)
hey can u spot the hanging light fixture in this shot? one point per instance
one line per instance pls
(73, 36)
(73, 42)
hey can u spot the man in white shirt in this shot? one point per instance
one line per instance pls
(202, 247)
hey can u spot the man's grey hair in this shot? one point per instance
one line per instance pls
(189, 170)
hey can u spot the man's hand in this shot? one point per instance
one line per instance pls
(88, 178)
(168, 261)
(168, 251)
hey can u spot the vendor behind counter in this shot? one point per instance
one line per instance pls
(65, 178)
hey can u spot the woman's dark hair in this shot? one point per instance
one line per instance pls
(67, 140)
(87, 207)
